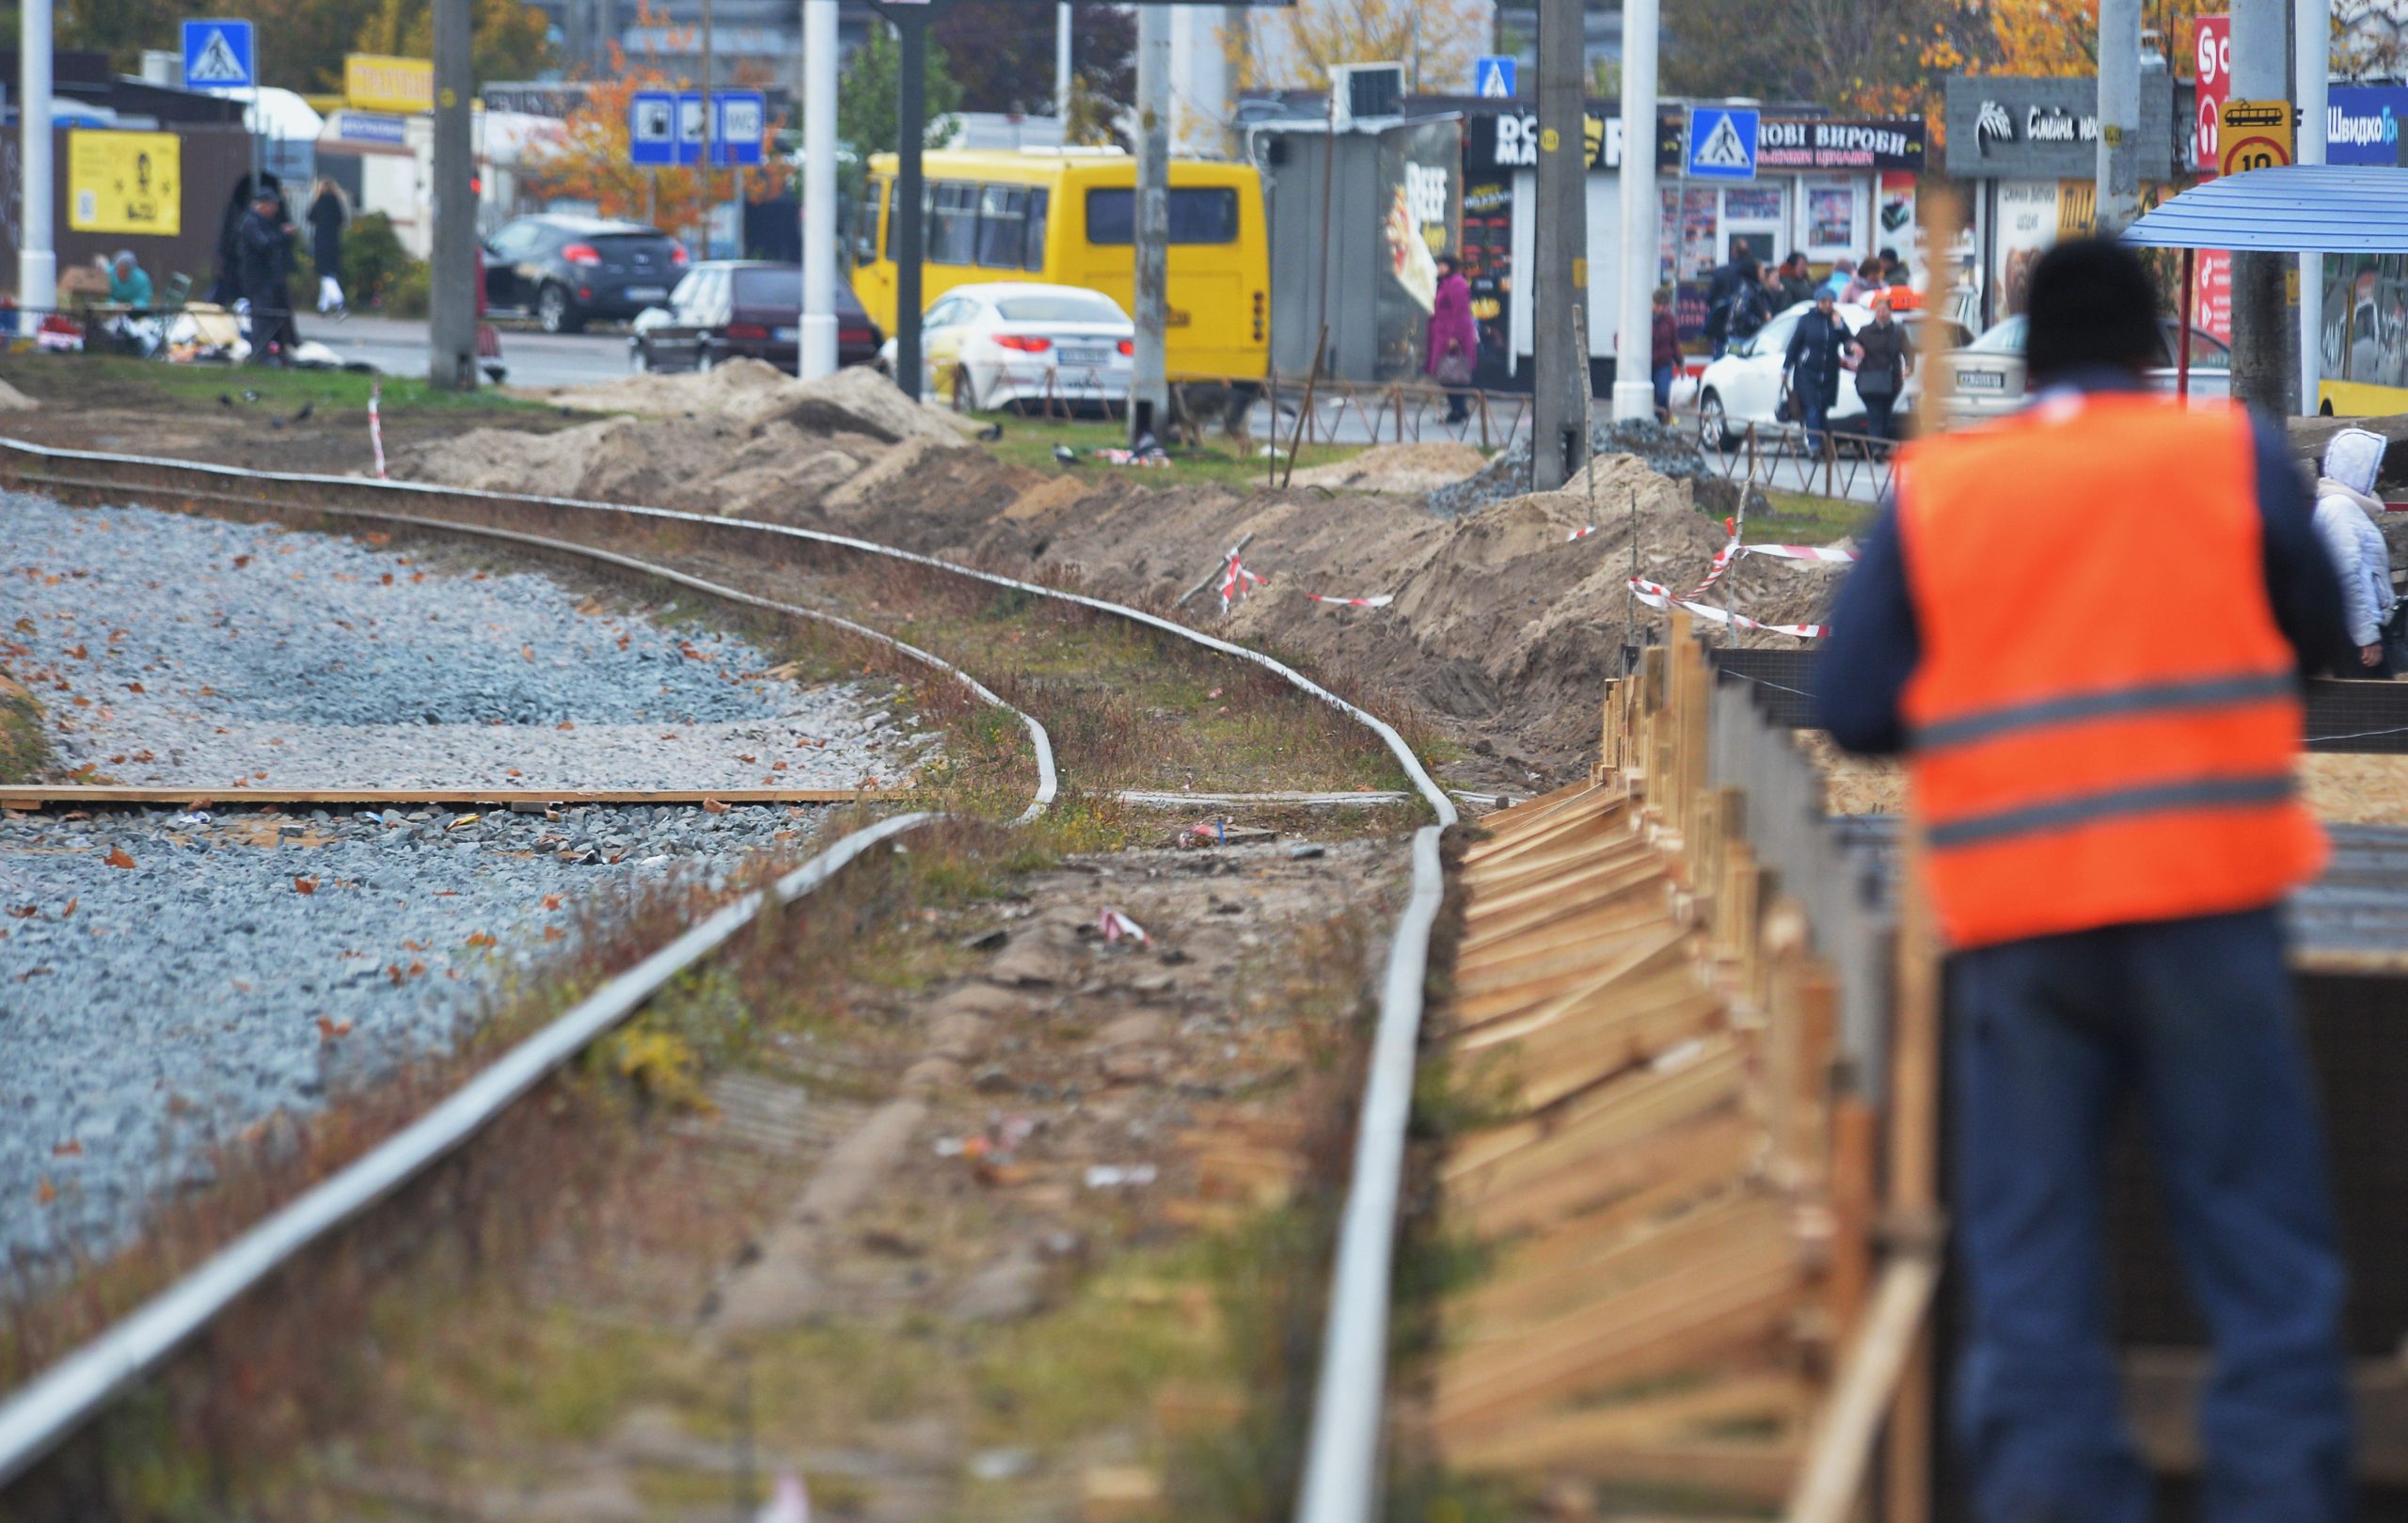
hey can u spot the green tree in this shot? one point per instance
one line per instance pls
(865, 99)
(120, 28)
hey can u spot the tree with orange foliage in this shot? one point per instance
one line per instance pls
(1295, 47)
(589, 160)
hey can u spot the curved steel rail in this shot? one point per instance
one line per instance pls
(1340, 1480)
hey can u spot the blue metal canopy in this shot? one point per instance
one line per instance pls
(2326, 208)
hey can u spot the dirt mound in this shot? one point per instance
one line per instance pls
(1398, 467)
(746, 393)
(12, 400)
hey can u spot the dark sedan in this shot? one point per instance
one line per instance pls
(727, 308)
(566, 271)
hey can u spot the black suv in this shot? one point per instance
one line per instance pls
(566, 271)
(729, 308)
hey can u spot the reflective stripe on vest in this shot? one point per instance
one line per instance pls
(2104, 721)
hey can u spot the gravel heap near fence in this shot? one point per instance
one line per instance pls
(166, 979)
(1667, 451)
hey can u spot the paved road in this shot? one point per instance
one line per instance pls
(399, 347)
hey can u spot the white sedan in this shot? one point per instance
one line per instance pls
(1744, 386)
(1017, 344)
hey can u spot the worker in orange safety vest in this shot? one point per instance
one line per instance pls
(2110, 823)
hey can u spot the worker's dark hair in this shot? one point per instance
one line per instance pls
(2091, 304)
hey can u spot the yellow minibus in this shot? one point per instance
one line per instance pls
(1066, 217)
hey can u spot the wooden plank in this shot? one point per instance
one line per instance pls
(1552, 1189)
(1506, 828)
(1556, 1275)
(1728, 1471)
(1553, 965)
(38, 796)
(1840, 1455)
(1668, 1326)
(1604, 809)
(1610, 1114)
(1588, 845)
(1513, 1014)
(1644, 899)
(1590, 878)
(1914, 1166)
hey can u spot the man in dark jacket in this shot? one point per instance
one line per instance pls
(263, 246)
(1723, 289)
(2108, 827)
(1796, 280)
(1819, 348)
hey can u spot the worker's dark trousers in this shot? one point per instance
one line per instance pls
(2192, 1021)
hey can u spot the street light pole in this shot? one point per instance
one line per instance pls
(907, 237)
(1149, 386)
(1559, 378)
(451, 324)
(1634, 380)
(1062, 68)
(2312, 54)
(2261, 370)
(36, 259)
(818, 351)
(2119, 116)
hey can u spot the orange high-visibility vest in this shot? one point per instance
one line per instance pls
(2105, 722)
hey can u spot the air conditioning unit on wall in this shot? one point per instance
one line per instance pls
(1362, 93)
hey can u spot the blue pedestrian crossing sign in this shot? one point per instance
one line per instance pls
(1493, 77)
(218, 55)
(1722, 142)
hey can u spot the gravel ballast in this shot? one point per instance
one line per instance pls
(167, 979)
(197, 653)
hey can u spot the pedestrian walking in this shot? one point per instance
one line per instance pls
(264, 256)
(1819, 349)
(2109, 824)
(1885, 358)
(2346, 514)
(329, 213)
(1663, 352)
(1453, 339)
(226, 280)
(1796, 280)
(1725, 289)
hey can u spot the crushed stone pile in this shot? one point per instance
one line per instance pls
(1667, 451)
(1398, 467)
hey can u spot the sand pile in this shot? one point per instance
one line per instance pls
(1396, 467)
(746, 393)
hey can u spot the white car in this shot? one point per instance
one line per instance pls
(1986, 378)
(1744, 386)
(1017, 344)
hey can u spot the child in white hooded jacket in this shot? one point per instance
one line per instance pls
(2346, 514)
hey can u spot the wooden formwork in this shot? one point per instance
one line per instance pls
(1679, 1209)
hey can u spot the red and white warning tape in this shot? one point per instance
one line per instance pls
(1827, 554)
(1381, 601)
(377, 426)
(1662, 598)
(1236, 581)
(1582, 533)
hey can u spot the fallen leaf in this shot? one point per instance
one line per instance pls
(779, 767)
(46, 1192)
(464, 819)
(387, 579)
(480, 938)
(552, 934)
(563, 725)
(413, 946)
(76, 651)
(513, 772)
(712, 806)
(378, 539)
(24, 911)
(69, 913)
(27, 626)
(305, 885)
(418, 576)
(745, 759)
(624, 639)
(526, 652)
(242, 561)
(261, 776)
(417, 969)
(69, 1149)
(117, 857)
(329, 1030)
(394, 971)
(134, 687)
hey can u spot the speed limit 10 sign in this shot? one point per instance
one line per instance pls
(2254, 134)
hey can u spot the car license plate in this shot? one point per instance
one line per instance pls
(647, 292)
(1086, 356)
(786, 335)
(1980, 381)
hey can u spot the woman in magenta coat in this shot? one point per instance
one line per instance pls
(1454, 339)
